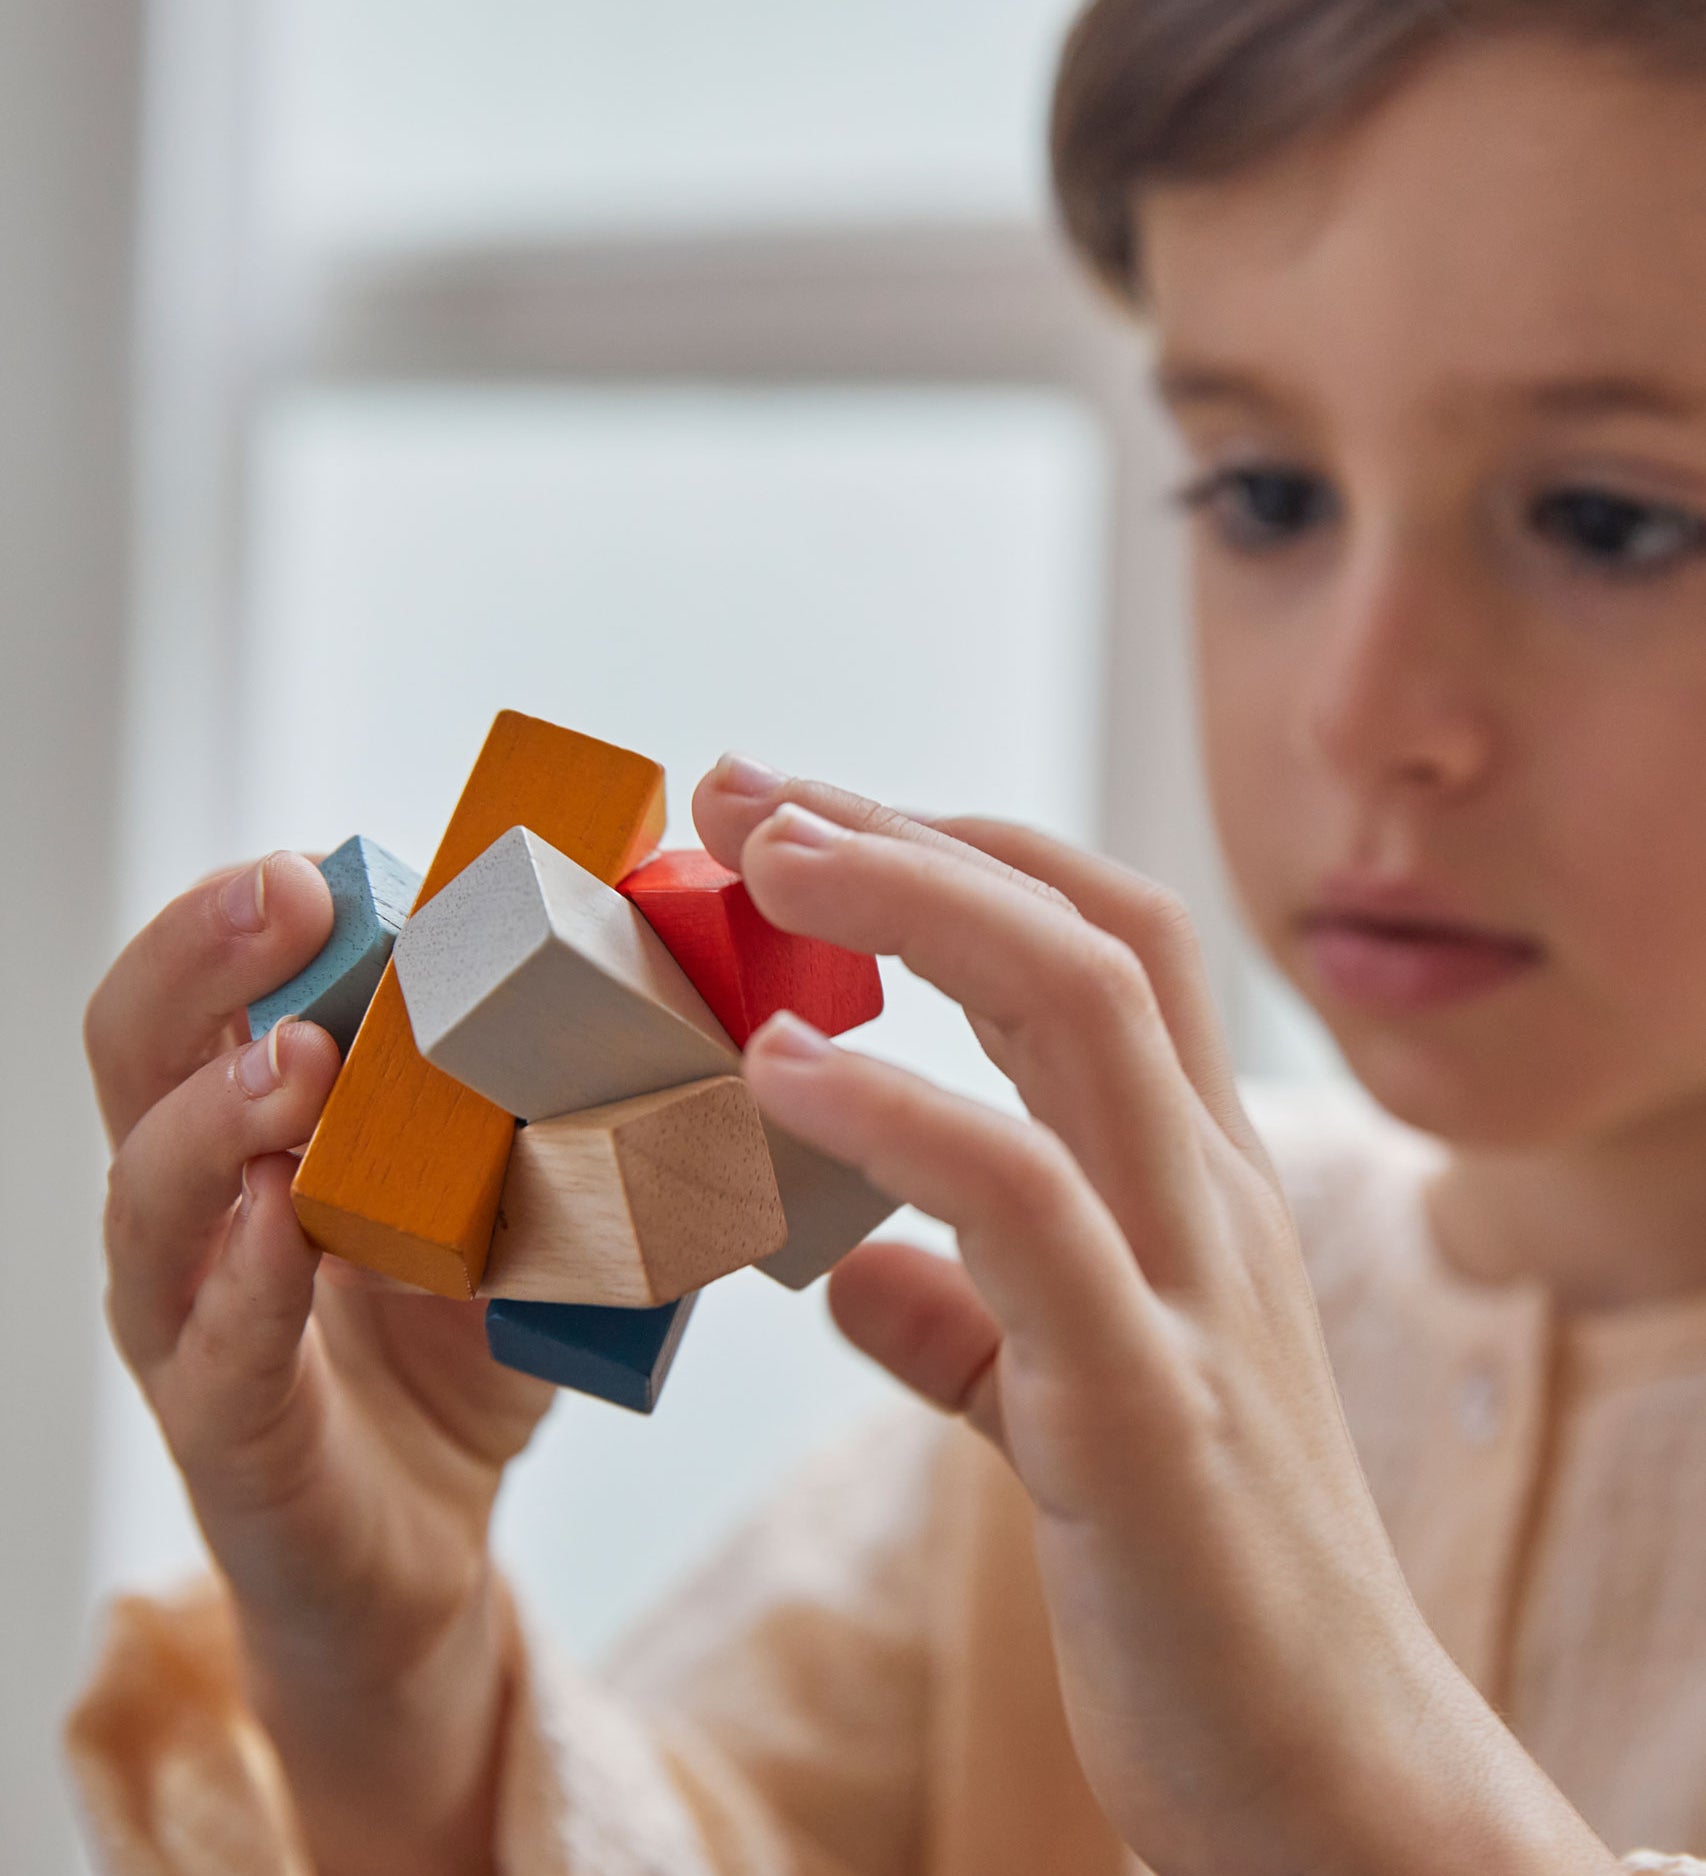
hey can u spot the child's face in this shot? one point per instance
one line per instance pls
(1445, 384)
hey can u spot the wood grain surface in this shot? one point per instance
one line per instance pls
(635, 1204)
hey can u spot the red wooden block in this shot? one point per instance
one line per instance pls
(743, 967)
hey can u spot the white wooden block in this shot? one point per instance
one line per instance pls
(540, 987)
(635, 1204)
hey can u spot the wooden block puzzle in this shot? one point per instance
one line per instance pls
(635, 1204)
(406, 1167)
(546, 991)
(621, 1355)
(742, 965)
(372, 893)
(647, 1170)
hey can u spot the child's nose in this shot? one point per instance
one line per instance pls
(1403, 689)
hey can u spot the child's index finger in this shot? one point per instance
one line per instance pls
(1065, 1009)
(738, 795)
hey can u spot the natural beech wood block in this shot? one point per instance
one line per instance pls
(619, 1355)
(547, 992)
(405, 1169)
(744, 967)
(635, 1204)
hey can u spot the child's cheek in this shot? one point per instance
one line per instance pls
(1279, 825)
(1623, 844)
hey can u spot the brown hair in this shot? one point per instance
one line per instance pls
(1189, 90)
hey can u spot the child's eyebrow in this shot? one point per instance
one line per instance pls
(1181, 384)
(1610, 396)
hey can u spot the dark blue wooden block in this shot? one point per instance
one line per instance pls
(372, 894)
(620, 1355)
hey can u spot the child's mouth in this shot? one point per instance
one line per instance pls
(1397, 965)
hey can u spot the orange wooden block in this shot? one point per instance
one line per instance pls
(406, 1167)
(602, 806)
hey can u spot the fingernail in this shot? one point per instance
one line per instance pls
(257, 1066)
(801, 828)
(790, 1035)
(247, 1202)
(244, 899)
(741, 775)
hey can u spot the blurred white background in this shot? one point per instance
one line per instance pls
(699, 377)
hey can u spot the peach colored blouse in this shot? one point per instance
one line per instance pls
(862, 1684)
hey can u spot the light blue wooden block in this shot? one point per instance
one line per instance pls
(372, 894)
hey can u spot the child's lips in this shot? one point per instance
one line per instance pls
(1396, 965)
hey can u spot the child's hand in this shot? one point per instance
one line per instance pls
(342, 1443)
(1249, 1683)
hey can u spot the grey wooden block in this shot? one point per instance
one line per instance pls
(829, 1208)
(372, 893)
(540, 987)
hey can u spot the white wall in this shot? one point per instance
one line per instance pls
(66, 173)
(421, 119)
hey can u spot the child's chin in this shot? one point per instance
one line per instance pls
(1474, 1099)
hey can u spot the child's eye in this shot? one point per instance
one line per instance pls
(1618, 533)
(1259, 509)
